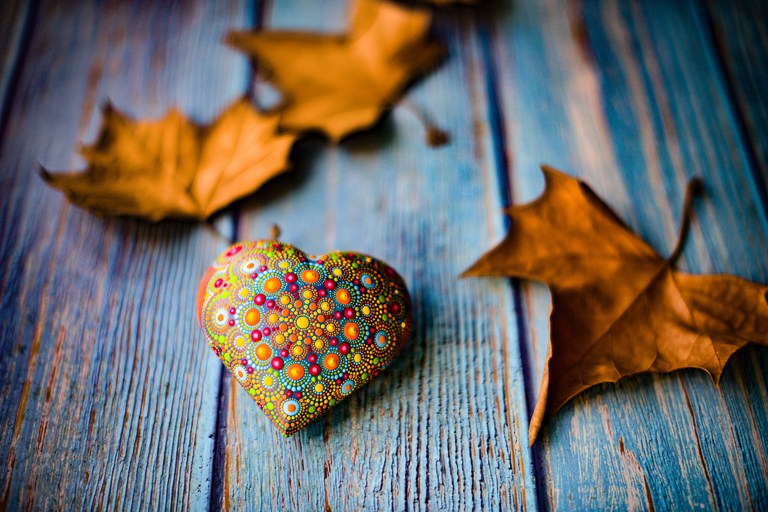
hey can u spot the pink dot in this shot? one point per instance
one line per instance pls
(232, 311)
(263, 269)
(218, 282)
(338, 315)
(298, 394)
(267, 331)
(293, 287)
(321, 292)
(270, 304)
(289, 393)
(231, 322)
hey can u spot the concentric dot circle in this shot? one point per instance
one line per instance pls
(368, 281)
(291, 407)
(240, 373)
(310, 276)
(272, 285)
(347, 386)
(221, 317)
(381, 339)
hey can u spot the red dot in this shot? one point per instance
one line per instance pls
(356, 282)
(256, 335)
(369, 341)
(321, 292)
(334, 342)
(312, 358)
(344, 348)
(337, 315)
(330, 284)
(259, 299)
(284, 353)
(338, 381)
(290, 277)
(372, 330)
(345, 376)
(396, 308)
(232, 311)
(218, 282)
(289, 393)
(250, 369)
(298, 394)
(263, 269)
(314, 370)
(231, 322)
(349, 313)
(270, 304)
(267, 331)
(277, 363)
(244, 361)
(293, 287)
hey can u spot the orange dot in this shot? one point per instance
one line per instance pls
(321, 318)
(298, 304)
(331, 361)
(286, 312)
(307, 340)
(252, 316)
(291, 407)
(272, 284)
(318, 332)
(343, 296)
(382, 340)
(295, 371)
(263, 352)
(283, 327)
(313, 306)
(292, 338)
(310, 276)
(351, 331)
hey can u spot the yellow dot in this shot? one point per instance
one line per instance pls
(307, 294)
(284, 264)
(244, 292)
(302, 322)
(366, 310)
(319, 387)
(338, 272)
(268, 381)
(325, 306)
(285, 300)
(330, 328)
(279, 339)
(358, 357)
(273, 318)
(239, 342)
(319, 344)
(272, 285)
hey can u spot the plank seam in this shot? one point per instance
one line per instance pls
(503, 169)
(706, 28)
(30, 19)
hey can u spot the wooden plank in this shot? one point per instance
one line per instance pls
(740, 32)
(15, 20)
(622, 94)
(109, 395)
(444, 427)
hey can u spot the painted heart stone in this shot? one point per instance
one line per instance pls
(302, 332)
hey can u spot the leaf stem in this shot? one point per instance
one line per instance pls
(695, 185)
(435, 136)
(274, 232)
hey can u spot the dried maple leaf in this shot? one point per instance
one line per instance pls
(174, 168)
(618, 308)
(339, 84)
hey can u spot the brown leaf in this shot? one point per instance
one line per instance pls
(618, 308)
(339, 84)
(174, 168)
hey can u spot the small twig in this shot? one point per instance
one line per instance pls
(274, 232)
(435, 136)
(695, 186)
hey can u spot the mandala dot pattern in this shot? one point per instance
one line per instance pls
(301, 332)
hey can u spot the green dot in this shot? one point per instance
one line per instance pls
(382, 299)
(332, 402)
(384, 317)
(234, 279)
(314, 379)
(312, 408)
(375, 360)
(252, 392)
(270, 406)
(352, 350)
(290, 251)
(334, 256)
(271, 254)
(355, 265)
(364, 376)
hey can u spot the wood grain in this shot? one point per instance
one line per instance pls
(622, 95)
(441, 428)
(109, 396)
(16, 20)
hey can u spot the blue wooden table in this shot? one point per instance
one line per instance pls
(111, 399)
